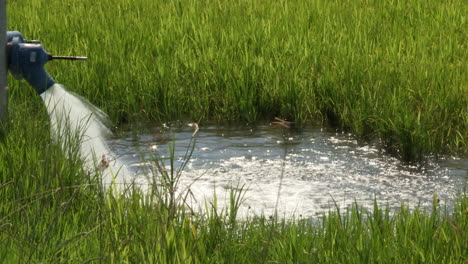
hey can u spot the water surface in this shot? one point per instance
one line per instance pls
(303, 172)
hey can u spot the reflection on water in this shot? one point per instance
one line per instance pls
(321, 168)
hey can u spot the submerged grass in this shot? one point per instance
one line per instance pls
(52, 211)
(392, 70)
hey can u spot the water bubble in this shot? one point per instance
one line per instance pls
(322, 167)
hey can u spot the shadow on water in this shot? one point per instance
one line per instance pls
(321, 167)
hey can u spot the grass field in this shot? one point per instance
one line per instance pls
(51, 211)
(381, 69)
(392, 70)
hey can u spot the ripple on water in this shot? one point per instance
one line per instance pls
(322, 170)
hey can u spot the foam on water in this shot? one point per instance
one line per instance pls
(321, 169)
(72, 115)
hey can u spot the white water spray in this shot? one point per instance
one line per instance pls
(71, 115)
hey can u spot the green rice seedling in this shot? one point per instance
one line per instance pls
(379, 69)
(53, 211)
(392, 70)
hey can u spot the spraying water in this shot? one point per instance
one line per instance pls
(322, 170)
(71, 115)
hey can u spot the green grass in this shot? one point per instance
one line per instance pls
(386, 69)
(51, 211)
(383, 69)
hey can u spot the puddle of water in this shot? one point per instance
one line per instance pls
(322, 169)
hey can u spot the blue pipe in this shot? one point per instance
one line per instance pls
(26, 60)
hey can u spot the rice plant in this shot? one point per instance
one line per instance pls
(386, 70)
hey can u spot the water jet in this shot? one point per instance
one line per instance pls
(69, 113)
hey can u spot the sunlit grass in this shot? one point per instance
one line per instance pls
(393, 70)
(382, 69)
(52, 211)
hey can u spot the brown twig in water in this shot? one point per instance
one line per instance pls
(104, 164)
(195, 128)
(281, 123)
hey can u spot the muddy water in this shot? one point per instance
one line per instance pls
(303, 172)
